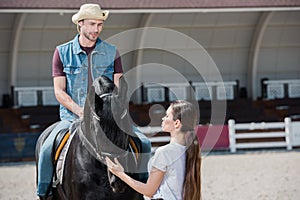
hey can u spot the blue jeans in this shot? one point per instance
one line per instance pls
(45, 165)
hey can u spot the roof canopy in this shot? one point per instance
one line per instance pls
(146, 4)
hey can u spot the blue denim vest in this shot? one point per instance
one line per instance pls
(75, 63)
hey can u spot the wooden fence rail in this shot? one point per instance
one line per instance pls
(271, 131)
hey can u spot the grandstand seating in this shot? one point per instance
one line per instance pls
(241, 110)
(43, 116)
(27, 119)
(12, 121)
(24, 119)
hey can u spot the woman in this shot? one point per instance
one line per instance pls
(175, 169)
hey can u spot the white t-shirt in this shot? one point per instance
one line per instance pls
(170, 159)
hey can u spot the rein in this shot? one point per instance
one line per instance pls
(98, 155)
(105, 95)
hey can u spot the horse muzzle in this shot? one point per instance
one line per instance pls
(116, 184)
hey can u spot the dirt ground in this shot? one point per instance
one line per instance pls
(259, 175)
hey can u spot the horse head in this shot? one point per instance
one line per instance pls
(106, 126)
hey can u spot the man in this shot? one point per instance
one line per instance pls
(75, 65)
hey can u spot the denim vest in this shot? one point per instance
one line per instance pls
(75, 62)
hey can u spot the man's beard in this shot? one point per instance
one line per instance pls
(93, 39)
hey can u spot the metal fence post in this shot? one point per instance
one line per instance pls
(232, 142)
(287, 123)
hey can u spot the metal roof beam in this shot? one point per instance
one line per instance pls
(163, 10)
(254, 52)
(15, 41)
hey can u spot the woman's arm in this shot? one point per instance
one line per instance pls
(147, 189)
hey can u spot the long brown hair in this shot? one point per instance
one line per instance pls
(188, 115)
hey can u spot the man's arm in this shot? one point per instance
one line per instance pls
(118, 69)
(63, 98)
(117, 77)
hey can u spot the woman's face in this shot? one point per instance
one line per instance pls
(168, 124)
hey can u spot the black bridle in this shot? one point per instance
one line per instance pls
(100, 155)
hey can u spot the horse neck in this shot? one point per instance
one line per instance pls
(117, 136)
(114, 127)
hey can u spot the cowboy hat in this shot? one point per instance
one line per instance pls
(90, 11)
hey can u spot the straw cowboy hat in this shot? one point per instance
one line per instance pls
(90, 11)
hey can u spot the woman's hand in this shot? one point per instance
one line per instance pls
(115, 168)
(148, 189)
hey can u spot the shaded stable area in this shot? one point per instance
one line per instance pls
(37, 118)
(27, 119)
(242, 110)
(20, 127)
(216, 136)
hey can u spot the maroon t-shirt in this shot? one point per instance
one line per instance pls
(58, 69)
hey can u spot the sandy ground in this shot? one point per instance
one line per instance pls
(263, 175)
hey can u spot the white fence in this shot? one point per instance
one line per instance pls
(276, 88)
(202, 91)
(223, 90)
(156, 92)
(245, 131)
(295, 136)
(287, 132)
(33, 96)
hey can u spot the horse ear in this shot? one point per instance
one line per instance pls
(122, 90)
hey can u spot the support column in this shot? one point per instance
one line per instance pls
(144, 23)
(254, 52)
(15, 42)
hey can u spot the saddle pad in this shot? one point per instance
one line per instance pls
(60, 164)
(134, 147)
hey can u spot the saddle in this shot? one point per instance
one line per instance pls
(59, 150)
(59, 143)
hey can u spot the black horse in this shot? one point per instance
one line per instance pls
(105, 130)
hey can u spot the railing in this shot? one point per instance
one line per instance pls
(265, 135)
(202, 91)
(154, 135)
(278, 89)
(164, 91)
(244, 131)
(34, 96)
(215, 90)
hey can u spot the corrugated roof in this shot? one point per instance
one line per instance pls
(146, 4)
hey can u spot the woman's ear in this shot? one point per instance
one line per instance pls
(177, 124)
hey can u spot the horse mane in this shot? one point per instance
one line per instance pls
(109, 124)
(108, 106)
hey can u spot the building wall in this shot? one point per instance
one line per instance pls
(225, 36)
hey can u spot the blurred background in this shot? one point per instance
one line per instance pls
(255, 46)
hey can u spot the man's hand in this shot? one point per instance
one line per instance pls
(79, 113)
